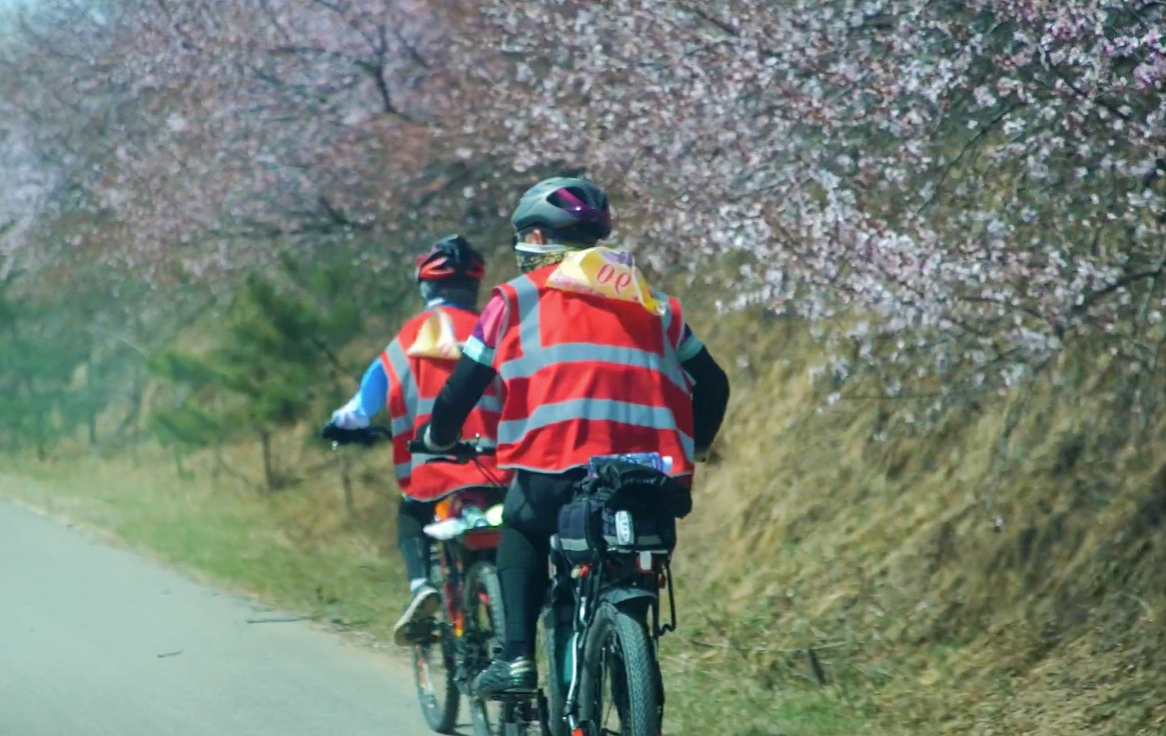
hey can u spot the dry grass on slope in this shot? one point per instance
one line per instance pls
(886, 558)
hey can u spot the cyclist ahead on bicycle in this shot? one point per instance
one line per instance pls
(405, 379)
(593, 362)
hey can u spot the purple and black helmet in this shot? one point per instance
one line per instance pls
(573, 210)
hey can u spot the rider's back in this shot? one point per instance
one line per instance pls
(418, 362)
(589, 375)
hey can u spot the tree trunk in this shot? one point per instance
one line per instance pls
(217, 467)
(91, 404)
(42, 451)
(135, 408)
(346, 484)
(268, 468)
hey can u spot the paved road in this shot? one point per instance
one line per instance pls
(96, 641)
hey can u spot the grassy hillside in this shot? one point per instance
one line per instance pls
(1002, 573)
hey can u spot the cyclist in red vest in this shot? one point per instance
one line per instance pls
(593, 362)
(405, 379)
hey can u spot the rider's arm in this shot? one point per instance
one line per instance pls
(710, 392)
(369, 399)
(470, 378)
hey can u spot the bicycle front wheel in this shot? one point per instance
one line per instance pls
(618, 689)
(433, 671)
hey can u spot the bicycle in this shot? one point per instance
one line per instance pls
(602, 620)
(458, 642)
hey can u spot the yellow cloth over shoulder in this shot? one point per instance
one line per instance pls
(605, 272)
(436, 339)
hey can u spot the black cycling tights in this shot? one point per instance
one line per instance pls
(532, 513)
(522, 571)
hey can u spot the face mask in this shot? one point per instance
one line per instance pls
(532, 256)
(462, 295)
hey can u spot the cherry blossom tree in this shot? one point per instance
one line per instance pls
(975, 185)
(213, 133)
(982, 179)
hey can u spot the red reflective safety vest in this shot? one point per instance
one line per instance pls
(588, 375)
(414, 383)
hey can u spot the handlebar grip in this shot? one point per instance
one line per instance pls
(367, 436)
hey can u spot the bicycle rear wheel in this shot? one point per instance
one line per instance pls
(618, 688)
(485, 622)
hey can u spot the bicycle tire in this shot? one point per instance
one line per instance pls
(483, 578)
(631, 674)
(555, 693)
(439, 707)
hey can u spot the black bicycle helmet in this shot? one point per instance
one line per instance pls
(451, 258)
(571, 210)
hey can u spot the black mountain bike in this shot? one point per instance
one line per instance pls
(461, 640)
(453, 647)
(602, 623)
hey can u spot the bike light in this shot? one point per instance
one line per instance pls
(624, 533)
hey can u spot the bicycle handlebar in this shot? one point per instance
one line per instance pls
(367, 436)
(461, 452)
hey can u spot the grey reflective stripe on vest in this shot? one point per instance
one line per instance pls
(528, 327)
(400, 364)
(638, 415)
(535, 357)
(582, 352)
(402, 425)
(490, 403)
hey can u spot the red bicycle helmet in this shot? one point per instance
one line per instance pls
(451, 258)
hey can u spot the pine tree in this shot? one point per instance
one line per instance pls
(276, 353)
